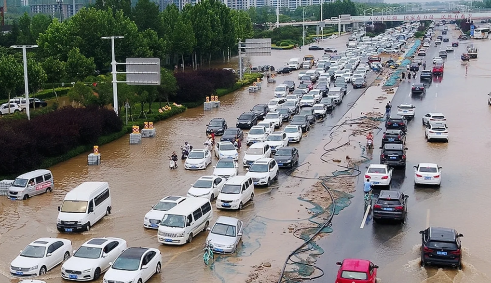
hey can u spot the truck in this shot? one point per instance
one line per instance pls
(438, 69)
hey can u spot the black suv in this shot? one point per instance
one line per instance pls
(309, 112)
(284, 70)
(418, 88)
(390, 205)
(217, 125)
(302, 121)
(261, 110)
(441, 246)
(426, 75)
(246, 120)
(328, 102)
(285, 112)
(414, 67)
(396, 123)
(231, 134)
(394, 136)
(393, 154)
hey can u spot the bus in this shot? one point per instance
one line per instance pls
(481, 33)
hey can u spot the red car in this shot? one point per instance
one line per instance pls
(356, 271)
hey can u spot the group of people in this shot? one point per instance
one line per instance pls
(410, 74)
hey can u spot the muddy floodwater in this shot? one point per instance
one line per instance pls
(139, 176)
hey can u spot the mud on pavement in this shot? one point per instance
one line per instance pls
(302, 205)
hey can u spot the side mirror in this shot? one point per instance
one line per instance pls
(208, 229)
(380, 147)
(460, 235)
(439, 167)
(91, 209)
(144, 267)
(247, 169)
(421, 232)
(20, 252)
(48, 254)
(375, 266)
(188, 224)
(59, 208)
(415, 166)
(104, 255)
(339, 263)
(406, 148)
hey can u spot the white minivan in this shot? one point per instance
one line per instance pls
(30, 184)
(184, 221)
(235, 193)
(84, 206)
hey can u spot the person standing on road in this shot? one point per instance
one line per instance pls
(367, 186)
(403, 76)
(409, 75)
(424, 65)
(407, 67)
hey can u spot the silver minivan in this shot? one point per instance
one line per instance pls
(30, 184)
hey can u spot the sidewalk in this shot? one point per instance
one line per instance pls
(301, 196)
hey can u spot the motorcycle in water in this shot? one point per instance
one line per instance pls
(172, 163)
(369, 143)
(185, 152)
(208, 145)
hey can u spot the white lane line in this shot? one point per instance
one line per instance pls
(436, 94)
(427, 218)
(365, 217)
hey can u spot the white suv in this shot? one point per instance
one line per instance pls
(264, 171)
(256, 134)
(281, 90)
(256, 151)
(14, 108)
(274, 117)
(235, 193)
(154, 216)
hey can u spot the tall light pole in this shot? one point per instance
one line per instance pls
(113, 64)
(277, 13)
(303, 27)
(26, 83)
(59, 6)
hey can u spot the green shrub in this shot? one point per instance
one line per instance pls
(284, 43)
(49, 93)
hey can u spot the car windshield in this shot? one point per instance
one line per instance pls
(88, 252)
(231, 132)
(255, 151)
(306, 111)
(318, 107)
(442, 245)
(258, 108)
(245, 117)
(203, 183)
(275, 138)
(19, 183)
(280, 88)
(428, 169)
(258, 167)
(290, 103)
(377, 170)
(215, 123)
(405, 107)
(438, 117)
(124, 263)
(272, 116)
(298, 119)
(227, 146)
(33, 251)
(224, 230)
(196, 155)
(291, 130)
(225, 164)
(283, 111)
(308, 97)
(256, 131)
(74, 206)
(437, 129)
(164, 205)
(231, 189)
(354, 275)
(388, 201)
(283, 152)
(273, 102)
(173, 220)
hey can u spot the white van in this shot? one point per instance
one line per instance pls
(84, 206)
(236, 192)
(184, 221)
(30, 184)
(295, 63)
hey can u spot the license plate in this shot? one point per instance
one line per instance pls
(290, 139)
(255, 183)
(193, 166)
(393, 157)
(391, 139)
(427, 178)
(438, 133)
(387, 208)
(19, 273)
(73, 276)
(441, 253)
(12, 198)
(375, 183)
(226, 204)
(153, 225)
(68, 230)
(280, 164)
(405, 111)
(167, 240)
(219, 250)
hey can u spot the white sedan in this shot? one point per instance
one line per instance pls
(256, 134)
(92, 259)
(207, 187)
(40, 256)
(293, 132)
(379, 174)
(135, 265)
(263, 171)
(307, 100)
(427, 174)
(406, 110)
(433, 117)
(226, 168)
(198, 159)
(275, 118)
(226, 149)
(277, 140)
(268, 125)
(436, 131)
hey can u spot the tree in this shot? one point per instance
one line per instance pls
(114, 5)
(168, 86)
(80, 93)
(242, 24)
(39, 24)
(78, 66)
(146, 16)
(56, 41)
(25, 36)
(55, 70)
(36, 75)
(103, 91)
(11, 75)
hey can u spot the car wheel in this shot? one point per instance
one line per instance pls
(25, 197)
(212, 197)
(66, 256)
(140, 281)
(49, 190)
(423, 121)
(42, 271)
(158, 269)
(276, 176)
(97, 273)
(252, 197)
(108, 210)
(269, 182)
(87, 227)
(190, 238)
(206, 226)
(241, 205)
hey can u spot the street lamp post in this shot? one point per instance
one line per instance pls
(113, 65)
(59, 6)
(303, 27)
(26, 83)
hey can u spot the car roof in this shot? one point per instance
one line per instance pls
(276, 134)
(176, 199)
(428, 165)
(389, 194)
(134, 252)
(227, 220)
(207, 177)
(393, 131)
(235, 180)
(219, 119)
(258, 145)
(436, 114)
(197, 150)
(442, 234)
(225, 142)
(356, 264)
(263, 160)
(44, 241)
(96, 242)
(377, 166)
(396, 146)
(34, 174)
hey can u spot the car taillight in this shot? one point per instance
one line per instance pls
(436, 176)
(427, 250)
(385, 177)
(401, 124)
(384, 136)
(419, 176)
(399, 136)
(403, 156)
(400, 207)
(432, 132)
(457, 252)
(367, 177)
(377, 206)
(382, 156)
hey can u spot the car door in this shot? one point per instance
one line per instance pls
(55, 256)
(285, 140)
(149, 264)
(208, 157)
(217, 186)
(273, 168)
(110, 253)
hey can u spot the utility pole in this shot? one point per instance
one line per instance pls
(303, 27)
(26, 84)
(113, 71)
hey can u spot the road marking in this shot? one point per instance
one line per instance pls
(436, 94)
(365, 217)
(427, 218)
(170, 260)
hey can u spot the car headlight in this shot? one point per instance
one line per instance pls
(146, 218)
(220, 129)
(33, 268)
(180, 234)
(236, 200)
(229, 246)
(79, 222)
(87, 270)
(58, 221)
(288, 161)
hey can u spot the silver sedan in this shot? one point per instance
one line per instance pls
(225, 234)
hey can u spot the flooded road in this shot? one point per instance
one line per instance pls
(462, 200)
(139, 176)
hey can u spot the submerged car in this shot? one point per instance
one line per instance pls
(226, 149)
(427, 174)
(135, 265)
(225, 234)
(154, 216)
(226, 168)
(198, 159)
(207, 187)
(286, 157)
